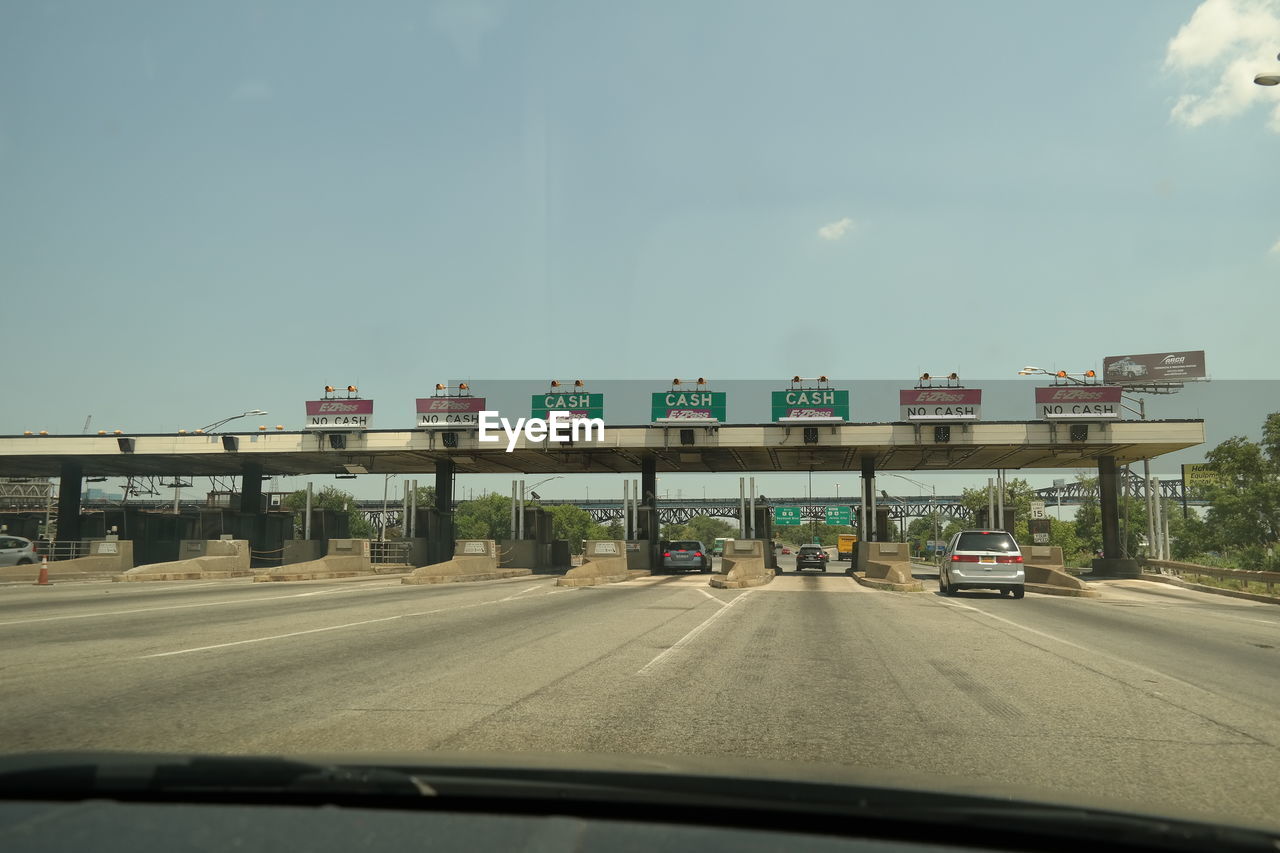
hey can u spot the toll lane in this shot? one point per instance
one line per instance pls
(1071, 694)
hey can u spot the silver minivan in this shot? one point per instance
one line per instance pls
(982, 559)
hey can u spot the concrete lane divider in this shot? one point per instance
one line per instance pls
(215, 559)
(603, 561)
(743, 564)
(106, 557)
(347, 558)
(886, 565)
(1046, 573)
(473, 560)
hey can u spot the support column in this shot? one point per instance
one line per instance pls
(251, 488)
(441, 546)
(69, 486)
(253, 524)
(1111, 564)
(872, 533)
(649, 500)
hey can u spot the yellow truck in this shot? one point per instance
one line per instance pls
(845, 545)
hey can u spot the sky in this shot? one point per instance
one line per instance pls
(209, 208)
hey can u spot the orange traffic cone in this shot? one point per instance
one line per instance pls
(44, 573)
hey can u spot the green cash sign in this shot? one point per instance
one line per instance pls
(786, 515)
(810, 403)
(577, 405)
(688, 405)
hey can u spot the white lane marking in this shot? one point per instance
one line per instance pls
(317, 630)
(710, 596)
(689, 637)
(169, 607)
(521, 592)
(1095, 652)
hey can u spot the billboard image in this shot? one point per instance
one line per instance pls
(1153, 367)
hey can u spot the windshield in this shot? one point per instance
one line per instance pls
(367, 362)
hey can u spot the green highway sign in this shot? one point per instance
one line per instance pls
(577, 405)
(786, 515)
(839, 515)
(688, 405)
(810, 403)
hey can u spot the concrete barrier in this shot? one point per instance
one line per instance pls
(473, 560)
(347, 558)
(603, 561)
(744, 564)
(1046, 573)
(888, 566)
(215, 559)
(107, 557)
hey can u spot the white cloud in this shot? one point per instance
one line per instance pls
(1218, 51)
(836, 230)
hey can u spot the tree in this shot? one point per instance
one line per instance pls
(487, 517)
(331, 498)
(574, 524)
(1244, 503)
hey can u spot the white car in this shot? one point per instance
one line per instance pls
(982, 559)
(16, 551)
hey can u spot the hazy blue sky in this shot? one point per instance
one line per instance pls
(210, 207)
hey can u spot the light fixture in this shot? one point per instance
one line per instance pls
(535, 496)
(44, 432)
(954, 377)
(924, 377)
(555, 383)
(355, 468)
(462, 386)
(822, 379)
(675, 381)
(329, 389)
(102, 432)
(280, 427)
(262, 427)
(795, 379)
(578, 383)
(440, 387)
(701, 381)
(344, 476)
(351, 389)
(27, 432)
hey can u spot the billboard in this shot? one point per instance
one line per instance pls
(1078, 402)
(339, 414)
(940, 404)
(1153, 367)
(809, 403)
(437, 412)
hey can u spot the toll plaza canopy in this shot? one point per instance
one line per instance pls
(673, 447)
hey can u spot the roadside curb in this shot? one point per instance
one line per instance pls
(1070, 592)
(1212, 590)
(433, 580)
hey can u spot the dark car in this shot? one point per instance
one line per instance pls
(812, 557)
(686, 555)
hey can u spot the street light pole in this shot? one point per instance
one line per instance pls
(219, 423)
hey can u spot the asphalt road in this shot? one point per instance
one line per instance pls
(1151, 694)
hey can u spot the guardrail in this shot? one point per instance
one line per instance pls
(1244, 577)
(62, 550)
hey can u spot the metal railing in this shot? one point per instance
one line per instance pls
(389, 553)
(62, 550)
(1241, 576)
